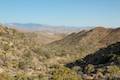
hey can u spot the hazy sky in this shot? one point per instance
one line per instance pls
(61, 12)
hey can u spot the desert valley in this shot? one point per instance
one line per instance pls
(59, 39)
(85, 55)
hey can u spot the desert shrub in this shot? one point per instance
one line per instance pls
(89, 68)
(23, 64)
(118, 60)
(39, 77)
(101, 70)
(5, 76)
(112, 78)
(77, 69)
(63, 73)
(113, 69)
(21, 76)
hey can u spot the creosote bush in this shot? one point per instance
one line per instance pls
(63, 73)
(113, 69)
(89, 68)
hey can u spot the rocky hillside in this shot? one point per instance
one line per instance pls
(103, 64)
(86, 42)
(22, 56)
(17, 54)
(38, 56)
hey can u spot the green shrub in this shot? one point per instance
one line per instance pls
(89, 68)
(113, 69)
(21, 76)
(63, 73)
(118, 60)
(77, 69)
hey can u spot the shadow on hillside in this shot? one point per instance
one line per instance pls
(103, 56)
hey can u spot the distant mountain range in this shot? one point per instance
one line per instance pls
(40, 27)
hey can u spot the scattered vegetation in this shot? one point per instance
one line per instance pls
(63, 73)
(76, 57)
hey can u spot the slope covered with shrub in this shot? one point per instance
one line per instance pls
(34, 55)
(104, 62)
(84, 42)
(23, 57)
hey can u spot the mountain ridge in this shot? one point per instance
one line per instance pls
(88, 41)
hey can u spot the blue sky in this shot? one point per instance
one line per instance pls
(61, 12)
